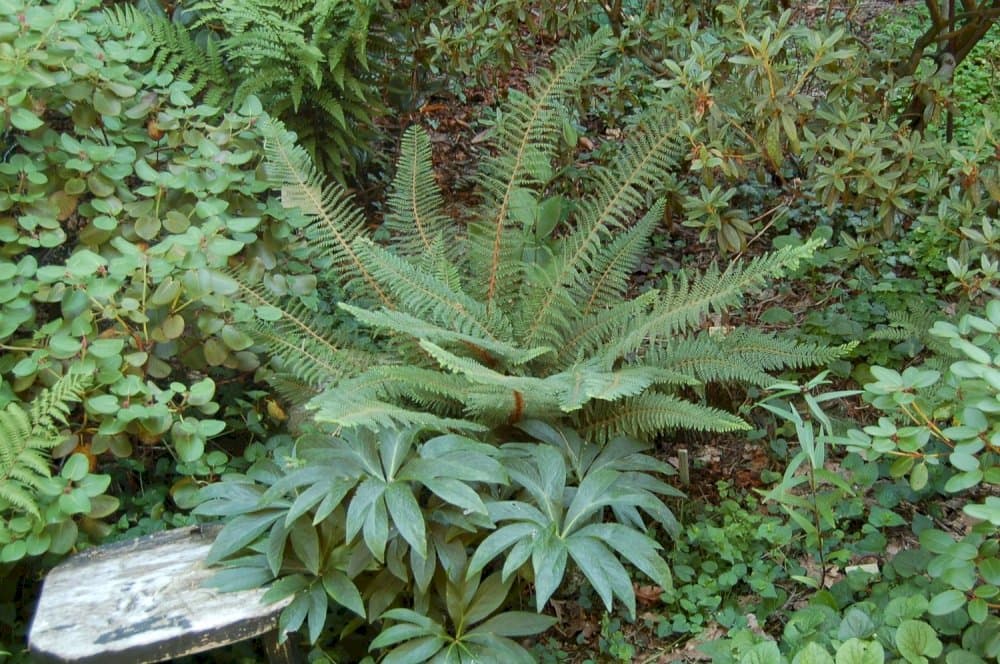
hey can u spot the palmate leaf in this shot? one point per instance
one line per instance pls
(551, 523)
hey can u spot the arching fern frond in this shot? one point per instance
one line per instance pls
(402, 323)
(343, 409)
(336, 221)
(526, 136)
(416, 218)
(644, 164)
(25, 435)
(647, 414)
(424, 296)
(685, 300)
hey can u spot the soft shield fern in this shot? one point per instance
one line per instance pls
(25, 437)
(512, 321)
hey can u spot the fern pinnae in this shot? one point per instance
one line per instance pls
(316, 369)
(425, 296)
(650, 413)
(592, 332)
(293, 316)
(684, 301)
(26, 435)
(533, 131)
(647, 159)
(416, 219)
(400, 322)
(329, 206)
(608, 280)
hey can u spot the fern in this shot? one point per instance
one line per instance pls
(25, 435)
(416, 219)
(499, 325)
(526, 136)
(305, 61)
(175, 51)
(336, 223)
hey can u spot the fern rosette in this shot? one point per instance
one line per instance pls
(519, 324)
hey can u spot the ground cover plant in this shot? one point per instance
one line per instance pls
(448, 419)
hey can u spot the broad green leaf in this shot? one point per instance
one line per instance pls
(515, 623)
(812, 653)
(856, 624)
(856, 651)
(398, 633)
(497, 542)
(634, 546)
(415, 652)
(239, 532)
(492, 592)
(762, 653)
(24, 119)
(590, 497)
(946, 602)
(456, 493)
(548, 559)
(602, 569)
(917, 641)
(343, 591)
(318, 605)
(406, 515)
(75, 468)
(305, 543)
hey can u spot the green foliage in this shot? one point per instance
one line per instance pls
(307, 63)
(935, 436)
(38, 510)
(114, 201)
(516, 321)
(372, 521)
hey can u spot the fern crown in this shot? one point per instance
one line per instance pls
(506, 319)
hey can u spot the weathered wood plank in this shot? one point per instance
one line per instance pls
(142, 601)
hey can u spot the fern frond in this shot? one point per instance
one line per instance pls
(336, 221)
(477, 373)
(526, 136)
(644, 164)
(416, 218)
(437, 263)
(296, 327)
(314, 364)
(606, 283)
(587, 382)
(425, 297)
(175, 51)
(684, 301)
(24, 434)
(593, 332)
(403, 323)
(345, 410)
(407, 383)
(51, 406)
(650, 413)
